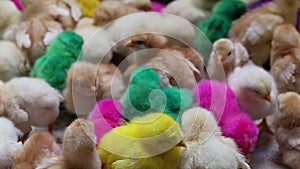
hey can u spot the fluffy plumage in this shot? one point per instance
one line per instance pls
(39, 146)
(13, 62)
(157, 7)
(206, 147)
(61, 54)
(285, 57)
(87, 83)
(88, 7)
(287, 129)
(106, 115)
(146, 142)
(30, 101)
(140, 4)
(220, 100)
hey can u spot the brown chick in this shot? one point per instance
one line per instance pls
(37, 30)
(79, 151)
(288, 129)
(111, 10)
(39, 146)
(255, 28)
(285, 58)
(87, 83)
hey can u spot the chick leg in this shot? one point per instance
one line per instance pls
(263, 126)
(24, 137)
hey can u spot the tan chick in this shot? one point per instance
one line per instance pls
(285, 58)
(206, 147)
(111, 10)
(37, 30)
(79, 148)
(226, 56)
(13, 62)
(287, 131)
(144, 5)
(255, 28)
(88, 83)
(39, 146)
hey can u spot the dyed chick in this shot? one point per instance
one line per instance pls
(202, 136)
(88, 7)
(39, 146)
(287, 129)
(30, 101)
(79, 150)
(152, 141)
(106, 115)
(285, 54)
(8, 142)
(61, 54)
(13, 62)
(87, 83)
(255, 28)
(226, 55)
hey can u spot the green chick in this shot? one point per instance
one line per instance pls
(62, 52)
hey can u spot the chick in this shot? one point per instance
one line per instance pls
(285, 58)
(8, 142)
(287, 129)
(255, 28)
(61, 54)
(226, 55)
(144, 5)
(88, 83)
(30, 101)
(202, 136)
(10, 18)
(88, 7)
(255, 90)
(39, 146)
(13, 62)
(111, 10)
(147, 142)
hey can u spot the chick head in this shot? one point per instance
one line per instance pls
(286, 36)
(101, 16)
(147, 40)
(223, 49)
(289, 105)
(198, 124)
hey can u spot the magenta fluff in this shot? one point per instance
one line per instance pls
(106, 115)
(218, 98)
(18, 4)
(157, 7)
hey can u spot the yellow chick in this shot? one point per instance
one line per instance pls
(88, 7)
(148, 142)
(206, 147)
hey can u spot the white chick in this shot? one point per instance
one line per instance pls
(226, 55)
(288, 129)
(79, 150)
(255, 28)
(255, 90)
(10, 18)
(88, 83)
(30, 101)
(13, 62)
(97, 46)
(8, 142)
(206, 147)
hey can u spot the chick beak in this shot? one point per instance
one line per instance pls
(94, 90)
(267, 98)
(182, 144)
(129, 44)
(221, 58)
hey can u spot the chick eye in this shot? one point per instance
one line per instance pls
(229, 53)
(139, 42)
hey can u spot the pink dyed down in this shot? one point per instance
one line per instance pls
(157, 7)
(18, 4)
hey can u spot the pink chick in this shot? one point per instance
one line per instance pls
(18, 4)
(106, 115)
(157, 7)
(218, 98)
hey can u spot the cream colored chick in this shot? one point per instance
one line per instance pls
(288, 129)
(79, 148)
(111, 10)
(285, 58)
(97, 46)
(13, 62)
(8, 142)
(255, 28)
(37, 30)
(39, 146)
(10, 18)
(30, 101)
(88, 83)
(255, 90)
(226, 55)
(206, 147)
